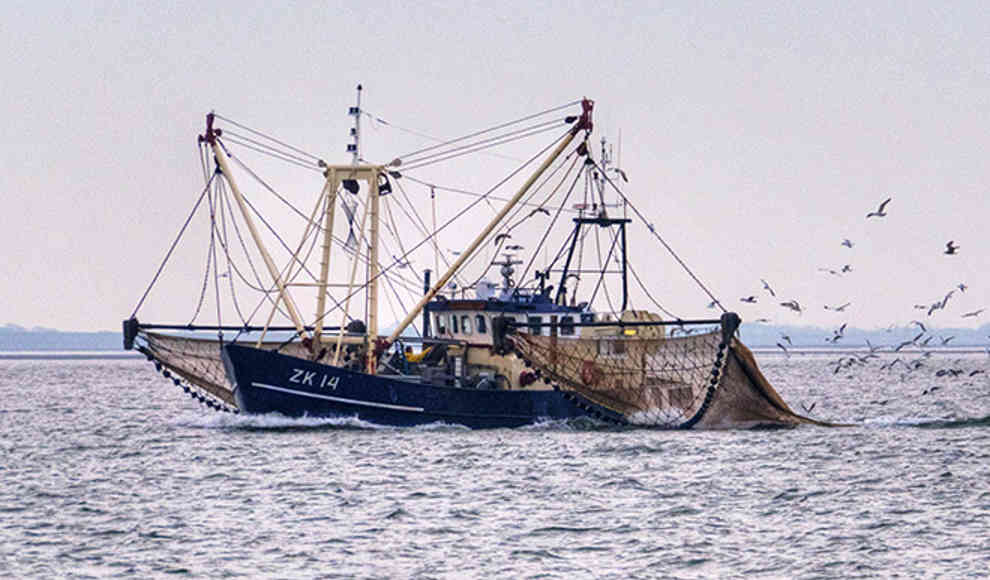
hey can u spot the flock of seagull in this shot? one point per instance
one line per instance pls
(921, 342)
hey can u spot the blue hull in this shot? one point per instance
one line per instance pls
(269, 382)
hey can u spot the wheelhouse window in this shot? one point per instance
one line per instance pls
(567, 326)
(466, 324)
(441, 323)
(480, 325)
(534, 324)
(453, 324)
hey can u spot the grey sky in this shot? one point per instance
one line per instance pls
(757, 136)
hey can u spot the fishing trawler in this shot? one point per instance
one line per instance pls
(537, 344)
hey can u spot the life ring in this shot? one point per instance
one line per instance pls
(589, 373)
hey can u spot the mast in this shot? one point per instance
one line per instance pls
(372, 281)
(355, 147)
(583, 124)
(210, 136)
(333, 183)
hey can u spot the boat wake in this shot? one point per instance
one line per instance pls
(927, 422)
(271, 422)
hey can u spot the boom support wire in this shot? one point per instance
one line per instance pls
(653, 231)
(171, 249)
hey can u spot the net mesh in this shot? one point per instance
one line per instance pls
(197, 360)
(663, 382)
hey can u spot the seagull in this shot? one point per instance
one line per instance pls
(787, 338)
(793, 305)
(946, 340)
(950, 248)
(829, 270)
(847, 243)
(880, 210)
(783, 348)
(838, 308)
(847, 268)
(962, 287)
(973, 313)
(712, 304)
(749, 299)
(399, 262)
(808, 409)
(500, 237)
(762, 320)
(767, 287)
(542, 210)
(514, 248)
(920, 325)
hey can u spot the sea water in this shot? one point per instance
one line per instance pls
(109, 470)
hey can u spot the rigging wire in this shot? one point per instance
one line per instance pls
(604, 267)
(647, 292)
(216, 264)
(507, 227)
(174, 244)
(653, 231)
(382, 121)
(474, 193)
(206, 273)
(491, 129)
(486, 143)
(278, 156)
(270, 138)
(275, 152)
(556, 215)
(224, 243)
(418, 165)
(451, 220)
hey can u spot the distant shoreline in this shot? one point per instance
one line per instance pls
(70, 355)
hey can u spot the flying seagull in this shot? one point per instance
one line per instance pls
(847, 268)
(793, 305)
(880, 210)
(847, 243)
(749, 299)
(542, 210)
(962, 287)
(767, 287)
(783, 348)
(951, 247)
(501, 237)
(973, 313)
(838, 308)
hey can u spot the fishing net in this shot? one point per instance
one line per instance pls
(677, 382)
(197, 361)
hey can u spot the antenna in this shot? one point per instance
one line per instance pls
(354, 148)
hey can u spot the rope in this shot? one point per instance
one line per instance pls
(174, 243)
